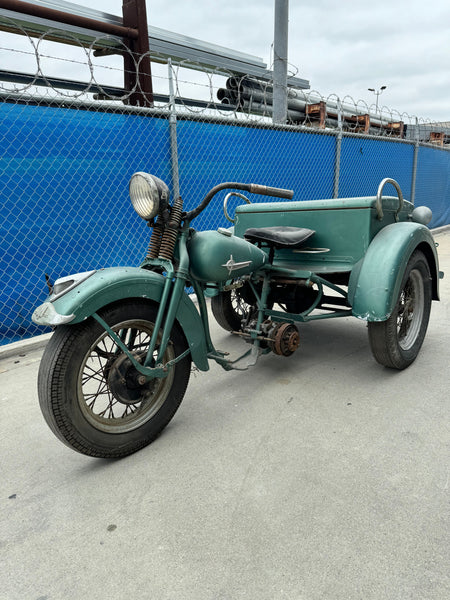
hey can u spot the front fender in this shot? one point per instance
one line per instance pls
(111, 285)
(375, 280)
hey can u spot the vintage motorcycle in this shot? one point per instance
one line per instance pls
(116, 369)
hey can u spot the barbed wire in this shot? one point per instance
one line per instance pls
(198, 91)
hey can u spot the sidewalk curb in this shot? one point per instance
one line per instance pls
(24, 346)
(442, 229)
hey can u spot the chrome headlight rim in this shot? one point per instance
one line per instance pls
(148, 194)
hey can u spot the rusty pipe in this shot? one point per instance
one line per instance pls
(67, 18)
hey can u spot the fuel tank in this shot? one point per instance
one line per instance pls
(220, 255)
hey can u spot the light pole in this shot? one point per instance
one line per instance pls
(280, 62)
(377, 93)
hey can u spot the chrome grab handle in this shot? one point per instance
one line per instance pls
(225, 203)
(379, 205)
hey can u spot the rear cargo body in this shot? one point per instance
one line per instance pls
(344, 228)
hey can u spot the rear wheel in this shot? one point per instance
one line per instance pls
(230, 309)
(92, 397)
(395, 343)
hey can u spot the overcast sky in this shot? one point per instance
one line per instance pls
(342, 47)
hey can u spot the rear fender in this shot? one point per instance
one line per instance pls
(111, 285)
(375, 280)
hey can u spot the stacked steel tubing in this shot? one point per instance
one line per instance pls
(251, 95)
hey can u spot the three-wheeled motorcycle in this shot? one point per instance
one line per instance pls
(117, 366)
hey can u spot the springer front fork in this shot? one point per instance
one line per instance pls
(173, 290)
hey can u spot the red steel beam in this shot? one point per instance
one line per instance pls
(137, 66)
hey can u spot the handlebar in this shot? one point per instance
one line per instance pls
(252, 188)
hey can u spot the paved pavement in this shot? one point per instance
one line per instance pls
(319, 476)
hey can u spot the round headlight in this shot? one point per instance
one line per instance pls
(148, 195)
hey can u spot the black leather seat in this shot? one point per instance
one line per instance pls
(279, 236)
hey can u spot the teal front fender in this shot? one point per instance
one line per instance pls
(121, 283)
(375, 280)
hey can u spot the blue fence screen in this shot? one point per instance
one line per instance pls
(64, 178)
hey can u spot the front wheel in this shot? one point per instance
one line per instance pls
(395, 343)
(91, 395)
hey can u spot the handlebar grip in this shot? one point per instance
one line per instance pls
(253, 188)
(264, 190)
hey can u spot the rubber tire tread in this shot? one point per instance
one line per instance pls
(383, 335)
(224, 313)
(58, 372)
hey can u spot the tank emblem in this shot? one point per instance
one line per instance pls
(231, 265)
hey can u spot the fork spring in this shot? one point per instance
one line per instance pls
(155, 240)
(170, 233)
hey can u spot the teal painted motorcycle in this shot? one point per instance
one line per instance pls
(117, 366)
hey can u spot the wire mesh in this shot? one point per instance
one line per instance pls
(71, 141)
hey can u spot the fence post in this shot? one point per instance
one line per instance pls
(415, 158)
(173, 134)
(337, 160)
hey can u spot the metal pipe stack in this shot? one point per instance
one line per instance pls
(253, 96)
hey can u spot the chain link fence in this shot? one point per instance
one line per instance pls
(70, 146)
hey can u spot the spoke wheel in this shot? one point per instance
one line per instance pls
(109, 393)
(92, 396)
(230, 309)
(396, 342)
(411, 306)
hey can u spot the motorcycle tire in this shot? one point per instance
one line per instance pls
(89, 391)
(229, 310)
(395, 343)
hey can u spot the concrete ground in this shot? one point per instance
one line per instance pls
(319, 476)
